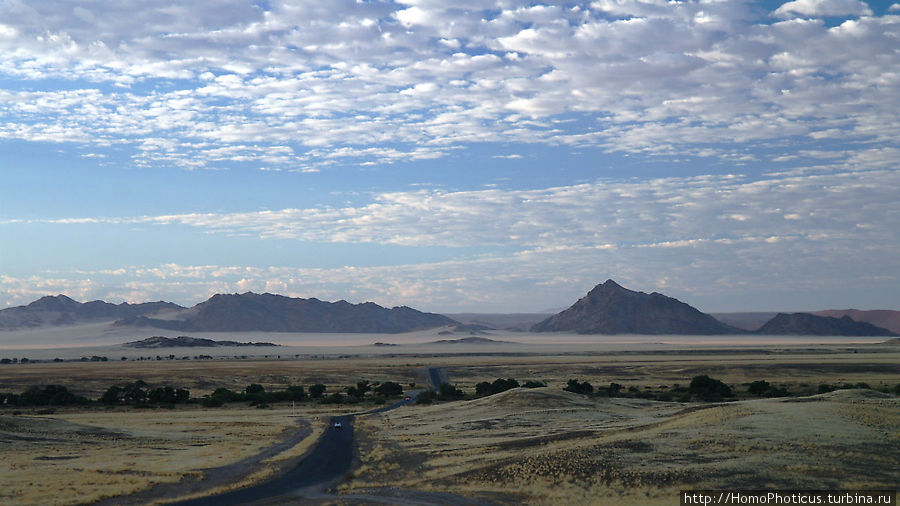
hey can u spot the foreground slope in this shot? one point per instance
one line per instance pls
(545, 446)
(612, 309)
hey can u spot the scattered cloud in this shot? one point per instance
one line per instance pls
(387, 82)
(710, 234)
(815, 8)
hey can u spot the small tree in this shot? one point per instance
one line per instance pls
(316, 391)
(448, 392)
(389, 389)
(709, 389)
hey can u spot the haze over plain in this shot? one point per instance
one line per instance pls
(493, 157)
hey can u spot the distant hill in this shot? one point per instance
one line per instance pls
(186, 342)
(276, 313)
(745, 321)
(62, 310)
(470, 340)
(612, 309)
(884, 318)
(519, 322)
(810, 324)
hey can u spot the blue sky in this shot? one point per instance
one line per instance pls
(469, 156)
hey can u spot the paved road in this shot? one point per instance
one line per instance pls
(329, 460)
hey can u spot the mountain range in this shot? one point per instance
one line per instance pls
(611, 309)
(220, 313)
(61, 310)
(607, 309)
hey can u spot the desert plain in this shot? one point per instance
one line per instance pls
(522, 446)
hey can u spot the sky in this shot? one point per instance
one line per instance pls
(466, 156)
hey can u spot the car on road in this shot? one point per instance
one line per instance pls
(407, 398)
(337, 425)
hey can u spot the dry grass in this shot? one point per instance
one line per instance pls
(96, 454)
(544, 446)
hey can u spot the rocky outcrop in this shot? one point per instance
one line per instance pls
(612, 309)
(806, 324)
(186, 342)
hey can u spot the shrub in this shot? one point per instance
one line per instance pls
(389, 389)
(335, 398)
(211, 402)
(291, 393)
(112, 395)
(759, 388)
(709, 389)
(226, 395)
(448, 392)
(534, 384)
(499, 385)
(317, 391)
(426, 397)
(575, 386)
(825, 388)
(50, 395)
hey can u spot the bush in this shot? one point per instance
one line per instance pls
(499, 385)
(389, 389)
(534, 384)
(211, 402)
(291, 393)
(709, 389)
(574, 386)
(113, 395)
(448, 392)
(759, 388)
(825, 388)
(226, 395)
(335, 398)
(50, 395)
(426, 397)
(317, 391)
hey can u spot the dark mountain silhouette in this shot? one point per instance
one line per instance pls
(884, 318)
(62, 310)
(812, 325)
(611, 309)
(186, 342)
(277, 313)
(745, 320)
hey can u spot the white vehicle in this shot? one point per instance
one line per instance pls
(337, 425)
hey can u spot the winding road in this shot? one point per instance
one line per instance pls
(330, 459)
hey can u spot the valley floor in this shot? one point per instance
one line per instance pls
(533, 446)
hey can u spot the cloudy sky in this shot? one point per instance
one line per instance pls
(487, 156)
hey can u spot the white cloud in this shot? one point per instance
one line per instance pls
(824, 8)
(657, 77)
(719, 239)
